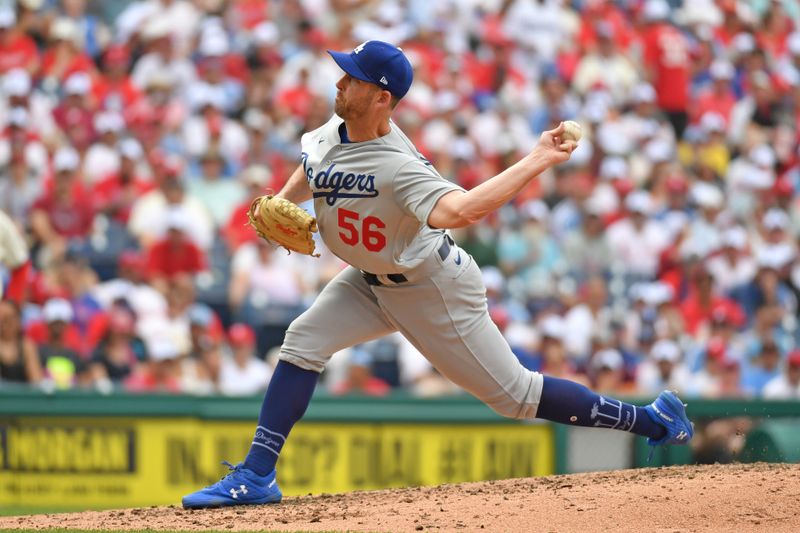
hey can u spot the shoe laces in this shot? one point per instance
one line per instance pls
(232, 470)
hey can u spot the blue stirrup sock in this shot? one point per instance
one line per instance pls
(285, 402)
(571, 403)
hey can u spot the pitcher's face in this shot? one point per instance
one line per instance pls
(354, 97)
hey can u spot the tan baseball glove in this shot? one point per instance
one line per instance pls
(282, 222)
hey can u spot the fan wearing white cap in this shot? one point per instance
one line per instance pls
(734, 266)
(117, 191)
(637, 240)
(703, 231)
(607, 368)
(58, 354)
(749, 175)
(17, 91)
(162, 53)
(645, 124)
(74, 115)
(663, 369)
(102, 159)
(552, 353)
(162, 370)
(209, 128)
(718, 96)
(175, 256)
(65, 212)
(18, 50)
(65, 55)
(666, 61)
(605, 67)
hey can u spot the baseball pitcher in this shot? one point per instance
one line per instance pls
(383, 209)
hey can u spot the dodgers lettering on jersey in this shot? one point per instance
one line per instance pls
(332, 184)
(372, 199)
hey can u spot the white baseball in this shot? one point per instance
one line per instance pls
(572, 131)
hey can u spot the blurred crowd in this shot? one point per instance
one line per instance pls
(664, 254)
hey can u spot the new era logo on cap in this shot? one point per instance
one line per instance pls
(380, 63)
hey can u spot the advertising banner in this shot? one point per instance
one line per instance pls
(124, 462)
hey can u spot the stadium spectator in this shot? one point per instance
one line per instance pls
(242, 373)
(663, 369)
(117, 191)
(587, 319)
(161, 55)
(236, 230)
(20, 92)
(607, 368)
(19, 357)
(787, 385)
(666, 59)
(733, 267)
(26, 162)
(64, 213)
(219, 194)
(637, 241)
(149, 214)
(61, 362)
(762, 368)
(17, 50)
(266, 290)
(65, 56)
(102, 157)
(161, 371)
(175, 255)
(118, 352)
(605, 67)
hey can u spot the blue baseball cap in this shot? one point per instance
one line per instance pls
(380, 63)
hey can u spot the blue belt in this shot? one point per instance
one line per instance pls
(372, 279)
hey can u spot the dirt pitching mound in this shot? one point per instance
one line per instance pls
(740, 498)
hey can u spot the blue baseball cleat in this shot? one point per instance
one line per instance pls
(241, 486)
(668, 411)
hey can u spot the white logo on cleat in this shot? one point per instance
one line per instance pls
(235, 493)
(682, 435)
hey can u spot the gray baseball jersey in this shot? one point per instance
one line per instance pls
(372, 200)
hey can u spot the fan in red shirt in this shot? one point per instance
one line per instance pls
(16, 48)
(703, 302)
(174, 255)
(64, 57)
(719, 97)
(115, 194)
(115, 90)
(74, 115)
(774, 31)
(597, 11)
(237, 231)
(666, 59)
(64, 212)
(297, 99)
